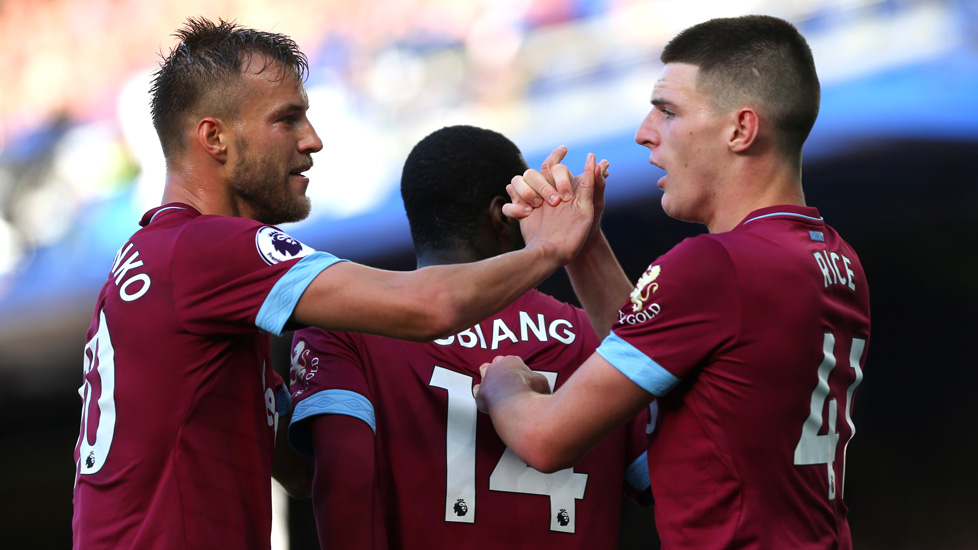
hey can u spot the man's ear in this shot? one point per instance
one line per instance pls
(746, 127)
(506, 229)
(212, 138)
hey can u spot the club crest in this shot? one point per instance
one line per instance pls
(645, 286)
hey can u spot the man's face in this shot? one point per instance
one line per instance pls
(685, 138)
(273, 145)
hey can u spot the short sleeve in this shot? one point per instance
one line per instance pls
(233, 275)
(684, 309)
(327, 376)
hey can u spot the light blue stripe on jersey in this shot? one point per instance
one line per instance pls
(161, 210)
(637, 474)
(637, 366)
(784, 214)
(345, 402)
(280, 302)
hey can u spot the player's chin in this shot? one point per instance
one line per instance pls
(671, 206)
(666, 202)
(293, 209)
(302, 208)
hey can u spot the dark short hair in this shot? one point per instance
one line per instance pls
(759, 60)
(449, 179)
(198, 73)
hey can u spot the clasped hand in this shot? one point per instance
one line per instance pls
(572, 205)
(508, 375)
(554, 184)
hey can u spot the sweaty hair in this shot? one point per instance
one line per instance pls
(754, 60)
(449, 179)
(198, 76)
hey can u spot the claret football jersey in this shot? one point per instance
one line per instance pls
(178, 398)
(754, 341)
(446, 479)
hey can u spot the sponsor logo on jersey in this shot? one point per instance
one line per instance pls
(646, 314)
(274, 246)
(645, 287)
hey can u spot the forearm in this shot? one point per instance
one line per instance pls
(345, 498)
(594, 401)
(425, 304)
(599, 282)
(475, 291)
(519, 416)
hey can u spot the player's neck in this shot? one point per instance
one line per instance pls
(759, 187)
(448, 256)
(201, 193)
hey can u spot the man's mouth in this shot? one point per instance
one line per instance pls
(299, 170)
(661, 180)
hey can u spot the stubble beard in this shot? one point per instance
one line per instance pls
(264, 186)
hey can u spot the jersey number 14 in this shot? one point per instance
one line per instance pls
(510, 474)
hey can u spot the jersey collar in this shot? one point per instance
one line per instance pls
(807, 214)
(148, 217)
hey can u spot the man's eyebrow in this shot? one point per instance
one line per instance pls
(659, 102)
(291, 108)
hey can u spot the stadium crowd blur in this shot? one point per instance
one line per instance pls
(80, 162)
(74, 128)
(68, 134)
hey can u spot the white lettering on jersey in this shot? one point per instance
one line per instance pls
(828, 264)
(501, 332)
(133, 287)
(539, 329)
(560, 330)
(271, 410)
(469, 338)
(565, 336)
(646, 314)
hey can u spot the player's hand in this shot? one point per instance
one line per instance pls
(568, 223)
(505, 376)
(554, 183)
(528, 196)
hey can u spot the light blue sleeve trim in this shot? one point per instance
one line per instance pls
(277, 308)
(345, 402)
(637, 366)
(637, 473)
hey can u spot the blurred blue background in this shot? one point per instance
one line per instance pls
(891, 163)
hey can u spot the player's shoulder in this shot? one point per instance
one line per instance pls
(535, 302)
(702, 265)
(331, 342)
(229, 236)
(533, 299)
(214, 225)
(317, 336)
(702, 249)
